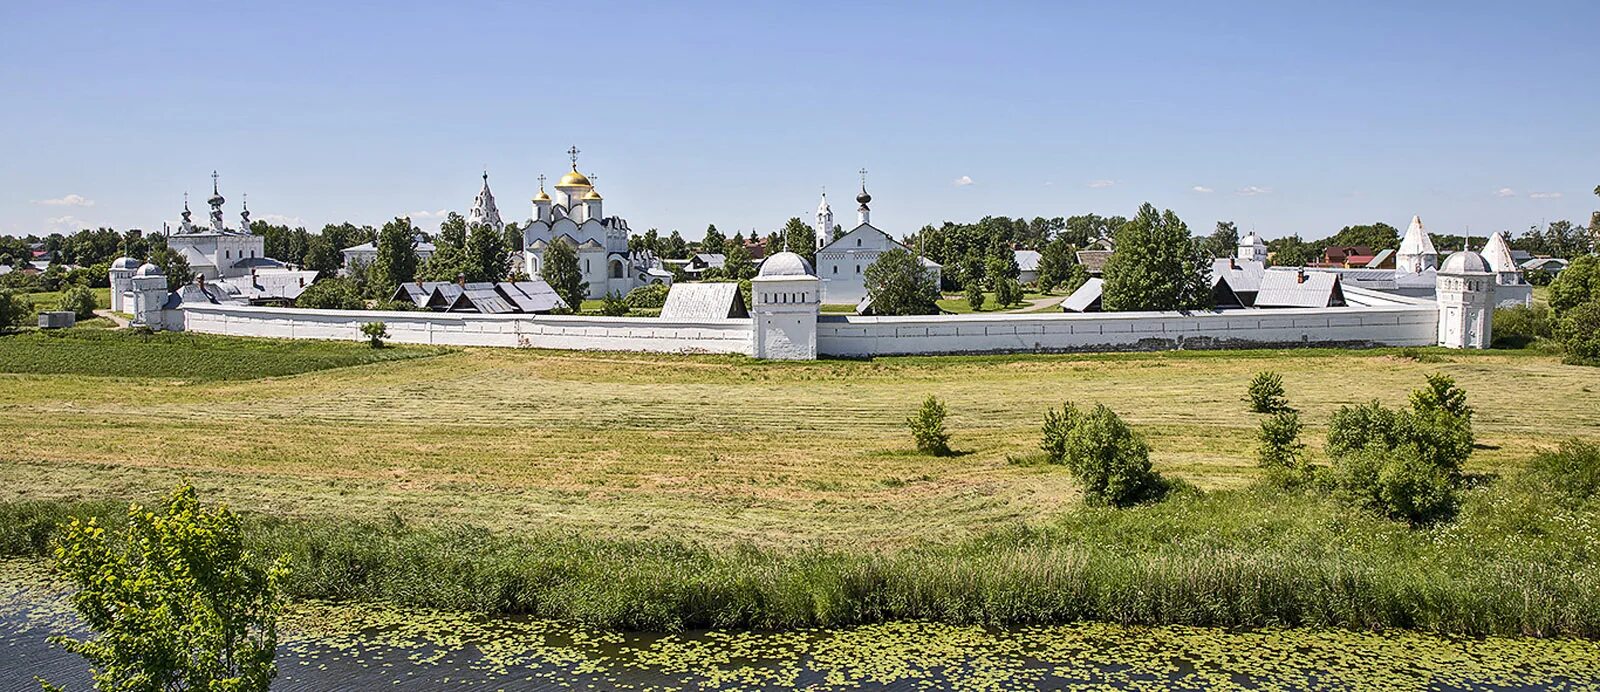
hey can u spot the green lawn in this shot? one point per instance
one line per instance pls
(957, 303)
(91, 349)
(48, 300)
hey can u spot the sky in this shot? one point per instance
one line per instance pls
(1285, 117)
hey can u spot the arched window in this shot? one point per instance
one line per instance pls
(616, 269)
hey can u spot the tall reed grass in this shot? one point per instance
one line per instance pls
(1513, 563)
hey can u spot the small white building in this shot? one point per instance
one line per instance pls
(842, 263)
(1466, 300)
(1027, 265)
(367, 253)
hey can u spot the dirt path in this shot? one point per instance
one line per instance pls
(1042, 304)
(114, 317)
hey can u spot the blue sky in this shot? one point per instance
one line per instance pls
(1286, 117)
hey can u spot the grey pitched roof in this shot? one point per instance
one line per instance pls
(1242, 275)
(417, 291)
(444, 295)
(1290, 289)
(481, 297)
(531, 296)
(1093, 261)
(1027, 260)
(257, 262)
(703, 302)
(1380, 258)
(712, 260)
(1085, 299)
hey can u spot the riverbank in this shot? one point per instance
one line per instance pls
(1514, 562)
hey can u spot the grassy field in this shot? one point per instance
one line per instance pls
(48, 300)
(957, 303)
(711, 450)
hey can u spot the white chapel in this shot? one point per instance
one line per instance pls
(574, 216)
(842, 263)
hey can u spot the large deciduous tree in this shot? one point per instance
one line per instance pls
(1224, 241)
(396, 262)
(1055, 263)
(1290, 251)
(485, 254)
(800, 239)
(898, 284)
(1155, 266)
(560, 270)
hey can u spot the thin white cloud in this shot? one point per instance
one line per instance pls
(73, 200)
(1253, 190)
(1100, 184)
(281, 220)
(1505, 192)
(963, 181)
(425, 214)
(1544, 195)
(69, 223)
(1202, 189)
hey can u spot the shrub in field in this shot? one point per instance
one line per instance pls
(974, 295)
(176, 601)
(1109, 460)
(1406, 464)
(15, 309)
(1441, 394)
(1280, 451)
(927, 427)
(1521, 326)
(1354, 428)
(1266, 393)
(652, 296)
(614, 305)
(1571, 472)
(375, 332)
(1415, 489)
(1580, 334)
(79, 300)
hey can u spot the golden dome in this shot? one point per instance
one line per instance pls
(591, 194)
(542, 196)
(574, 179)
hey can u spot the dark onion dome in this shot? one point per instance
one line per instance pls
(863, 197)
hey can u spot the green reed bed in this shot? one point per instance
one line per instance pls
(1516, 562)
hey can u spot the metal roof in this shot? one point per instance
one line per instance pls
(531, 296)
(1027, 260)
(1241, 274)
(703, 302)
(481, 297)
(1085, 299)
(1295, 289)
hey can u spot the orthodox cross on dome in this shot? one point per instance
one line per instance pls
(214, 182)
(573, 154)
(541, 181)
(863, 178)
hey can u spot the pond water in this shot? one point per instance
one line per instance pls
(342, 647)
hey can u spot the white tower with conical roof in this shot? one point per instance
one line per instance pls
(824, 221)
(1511, 287)
(1416, 252)
(483, 210)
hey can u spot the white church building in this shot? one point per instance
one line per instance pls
(575, 217)
(842, 263)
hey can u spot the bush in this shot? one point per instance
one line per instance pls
(1280, 451)
(1405, 464)
(1109, 460)
(79, 300)
(331, 294)
(375, 332)
(1266, 393)
(927, 428)
(614, 305)
(1414, 489)
(974, 295)
(1571, 472)
(1354, 428)
(1521, 326)
(15, 309)
(1580, 334)
(651, 296)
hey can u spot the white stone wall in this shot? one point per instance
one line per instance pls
(856, 336)
(569, 332)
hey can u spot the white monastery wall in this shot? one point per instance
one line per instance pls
(855, 336)
(569, 332)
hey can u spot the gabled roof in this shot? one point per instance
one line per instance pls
(1295, 289)
(703, 302)
(417, 292)
(1027, 260)
(1242, 275)
(1378, 260)
(862, 228)
(1093, 261)
(481, 297)
(1085, 299)
(1546, 264)
(531, 296)
(1498, 252)
(711, 260)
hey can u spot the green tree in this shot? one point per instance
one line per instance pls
(1291, 251)
(1579, 283)
(560, 270)
(737, 263)
(800, 239)
(927, 428)
(974, 295)
(452, 232)
(1280, 452)
(174, 598)
(173, 264)
(674, 247)
(1265, 393)
(375, 332)
(396, 262)
(321, 256)
(1223, 242)
(898, 284)
(512, 238)
(485, 254)
(1378, 236)
(79, 300)
(1056, 260)
(1155, 266)
(714, 242)
(15, 309)
(333, 293)
(1108, 459)
(1579, 333)
(614, 304)
(1076, 279)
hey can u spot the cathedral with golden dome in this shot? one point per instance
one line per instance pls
(574, 216)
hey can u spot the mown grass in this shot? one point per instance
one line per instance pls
(192, 357)
(1514, 563)
(50, 300)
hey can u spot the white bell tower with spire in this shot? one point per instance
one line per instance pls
(863, 212)
(824, 221)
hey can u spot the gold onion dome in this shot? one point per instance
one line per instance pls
(574, 179)
(542, 196)
(591, 194)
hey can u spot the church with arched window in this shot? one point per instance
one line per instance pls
(574, 216)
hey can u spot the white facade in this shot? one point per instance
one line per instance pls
(784, 303)
(574, 216)
(1252, 248)
(1511, 287)
(1466, 301)
(842, 264)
